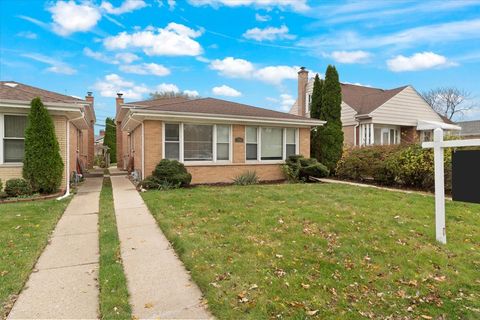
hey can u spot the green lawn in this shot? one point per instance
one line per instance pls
(323, 251)
(113, 285)
(24, 231)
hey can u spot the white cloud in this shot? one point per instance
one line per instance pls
(227, 91)
(418, 61)
(27, 35)
(234, 68)
(122, 57)
(113, 84)
(146, 68)
(126, 57)
(171, 4)
(69, 17)
(276, 74)
(167, 87)
(173, 40)
(56, 66)
(262, 18)
(191, 93)
(358, 56)
(295, 5)
(269, 33)
(286, 101)
(126, 6)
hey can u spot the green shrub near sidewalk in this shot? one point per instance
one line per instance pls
(168, 174)
(17, 188)
(299, 169)
(401, 165)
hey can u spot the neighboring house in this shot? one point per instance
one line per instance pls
(99, 143)
(215, 139)
(470, 129)
(372, 116)
(73, 119)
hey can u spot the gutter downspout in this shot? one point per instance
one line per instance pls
(143, 151)
(67, 189)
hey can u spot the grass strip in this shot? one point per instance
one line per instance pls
(24, 231)
(113, 284)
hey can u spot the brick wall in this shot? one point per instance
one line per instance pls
(409, 134)
(11, 171)
(153, 145)
(226, 173)
(238, 131)
(348, 135)
(304, 138)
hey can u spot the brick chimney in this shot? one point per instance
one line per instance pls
(119, 138)
(102, 133)
(302, 91)
(89, 135)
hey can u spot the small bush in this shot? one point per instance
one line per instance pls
(168, 174)
(152, 183)
(367, 163)
(246, 178)
(297, 169)
(18, 188)
(1, 185)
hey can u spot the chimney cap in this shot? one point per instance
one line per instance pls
(89, 93)
(119, 95)
(302, 69)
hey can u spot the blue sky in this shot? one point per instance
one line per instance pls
(241, 50)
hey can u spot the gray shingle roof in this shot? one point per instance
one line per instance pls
(12, 90)
(212, 106)
(469, 128)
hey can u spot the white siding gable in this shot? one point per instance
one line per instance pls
(348, 115)
(405, 109)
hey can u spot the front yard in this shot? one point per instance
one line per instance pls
(323, 251)
(24, 231)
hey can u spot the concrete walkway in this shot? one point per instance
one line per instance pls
(63, 284)
(158, 283)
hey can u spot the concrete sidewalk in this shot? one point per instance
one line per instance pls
(63, 284)
(158, 283)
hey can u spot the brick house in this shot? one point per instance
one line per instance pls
(73, 118)
(215, 139)
(372, 116)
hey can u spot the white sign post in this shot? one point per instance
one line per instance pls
(438, 145)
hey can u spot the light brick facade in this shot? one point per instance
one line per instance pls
(11, 171)
(349, 135)
(204, 173)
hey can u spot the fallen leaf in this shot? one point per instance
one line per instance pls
(305, 286)
(253, 286)
(425, 317)
(312, 312)
(148, 305)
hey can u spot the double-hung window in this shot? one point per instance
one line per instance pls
(223, 142)
(270, 143)
(14, 138)
(197, 142)
(172, 141)
(252, 143)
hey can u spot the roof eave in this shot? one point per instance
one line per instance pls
(140, 115)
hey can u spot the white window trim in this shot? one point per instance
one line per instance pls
(214, 142)
(284, 145)
(2, 136)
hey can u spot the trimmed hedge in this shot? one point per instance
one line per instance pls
(400, 165)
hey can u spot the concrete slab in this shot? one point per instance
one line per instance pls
(69, 251)
(65, 285)
(76, 224)
(155, 275)
(67, 293)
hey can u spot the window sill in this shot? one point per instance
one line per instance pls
(11, 165)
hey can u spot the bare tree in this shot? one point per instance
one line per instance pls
(169, 94)
(448, 101)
